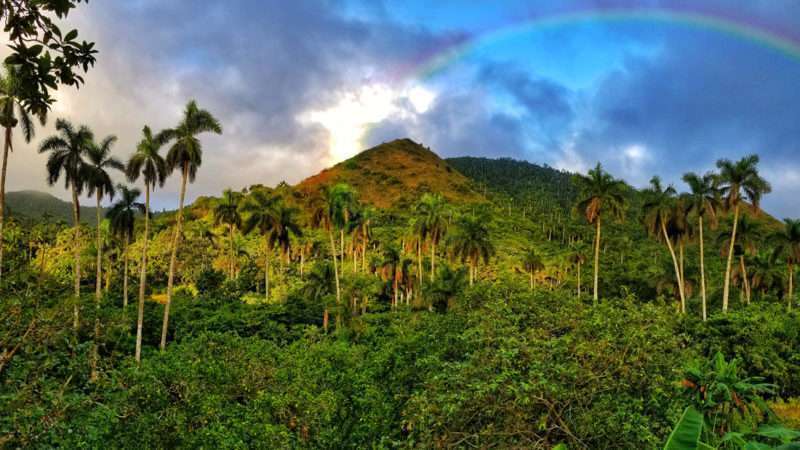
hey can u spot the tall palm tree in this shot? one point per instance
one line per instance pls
(286, 227)
(703, 202)
(471, 243)
(227, 212)
(577, 257)
(680, 230)
(122, 218)
(66, 152)
(185, 154)
(259, 211)
(99, 184)
(600, 195)
(12, 113)
(330, 213)
(532, 263)
(787, 246)
(432, 210)
(147, 163)
(659, 208)
(738, 178)
(749, 235)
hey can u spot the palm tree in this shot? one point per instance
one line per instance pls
(285, 227)
(332, 212)
(432, 211)
(600, 195)
(389, 269)
(748, 236)
(702, 203)
(186, 155)
(227, 212)
(787, 246)
(659, 210)
(471, 243)
(67, 150)
(532, 263)
(12, 113)
(99, 184)
(259, 211)
(737, 178)
(148, 164)
(122, 218)
(577, 257)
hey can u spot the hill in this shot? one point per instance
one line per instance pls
(395, 174)
(36, 204)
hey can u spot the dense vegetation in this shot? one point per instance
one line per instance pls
(395, 300)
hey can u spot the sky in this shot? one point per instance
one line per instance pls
(648, 87)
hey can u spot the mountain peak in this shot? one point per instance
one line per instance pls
(395, 173)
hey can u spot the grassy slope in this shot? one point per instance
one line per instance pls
(395, 174)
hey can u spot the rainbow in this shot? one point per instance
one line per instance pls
(458, 47)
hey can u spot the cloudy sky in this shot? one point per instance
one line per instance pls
(643, 87)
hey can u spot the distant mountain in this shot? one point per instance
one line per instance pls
(36, 204)
(395, 174)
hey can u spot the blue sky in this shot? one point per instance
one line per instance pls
(299, 85)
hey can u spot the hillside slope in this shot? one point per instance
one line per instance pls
(395, 174)
(36, 204)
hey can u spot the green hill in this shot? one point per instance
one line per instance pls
(36, 204)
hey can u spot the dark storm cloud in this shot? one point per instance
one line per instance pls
(704, 97)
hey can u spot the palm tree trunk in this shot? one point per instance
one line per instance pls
(530, 274)
(6, 149)
(125, 273)
(302, 259)
(230, 253)
(266, 269)
(791, 286)
(419, 264)
(341, 247)
(702, 268)
(97, 294)
(325, 316)
(727, 282)
(77, 255)
(680, 261)
(335, 267)
(596, 297)
(433, 259)
(676, 266)
(143, 273)
(745, 281)
(579, 280)
(173, 257)
(99, 245)
(471, 274)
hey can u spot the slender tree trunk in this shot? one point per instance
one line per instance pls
(230, 250)
(341, 247)
(97, 294)
(325, 317)
(302, 260)
(702, 268)
(745, 281)
(394, 286)
(3, 171)
(76, 217)
(727, 282)
(266, 269)
(579, 280)
(419, 264)
(173, 257)
(791, 286)
(683, 273)
(125, 273)
(143, 273)
(596, 296)
(335, 268)
(471, 274)
(364, 256)
(433, 259)
(676, 266)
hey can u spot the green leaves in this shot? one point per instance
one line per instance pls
(686, 435)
